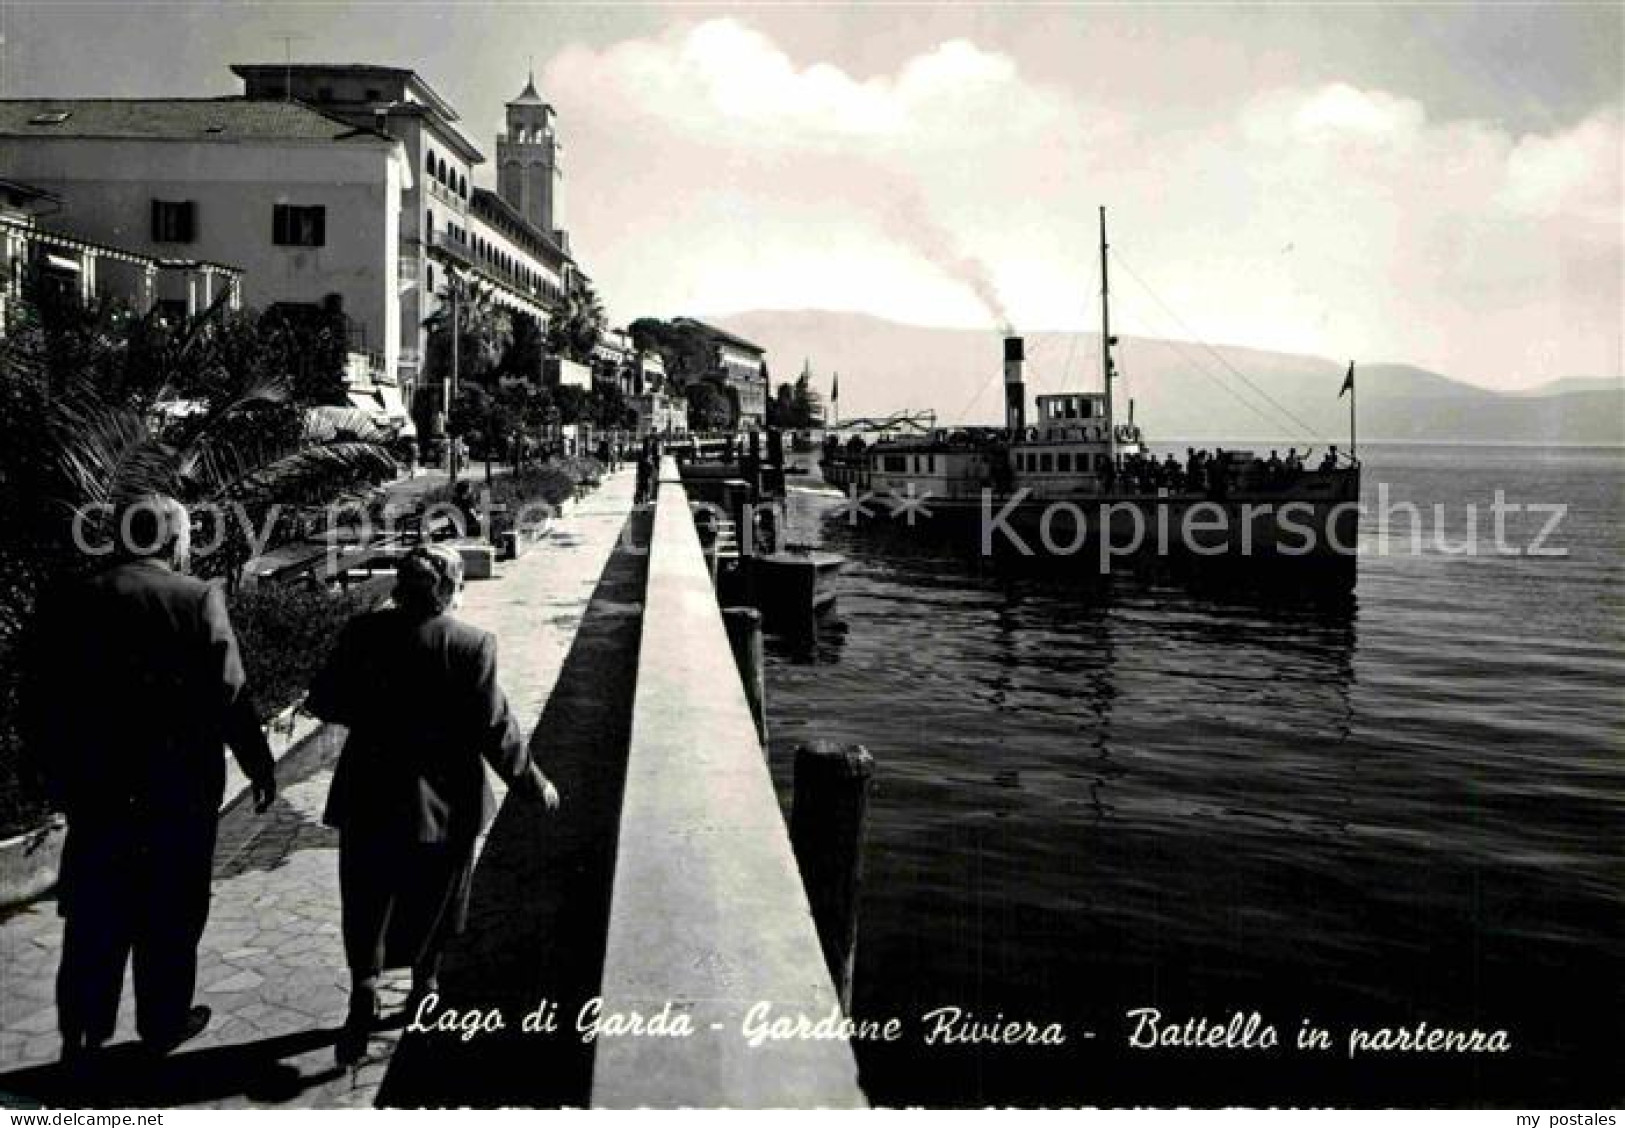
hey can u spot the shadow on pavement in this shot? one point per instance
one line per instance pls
(127, 1076)
(539, 909)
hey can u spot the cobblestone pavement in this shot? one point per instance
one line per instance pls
(271, 964)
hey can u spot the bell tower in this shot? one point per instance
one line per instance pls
(530, 172)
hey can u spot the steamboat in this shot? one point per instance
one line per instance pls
(1075, 478)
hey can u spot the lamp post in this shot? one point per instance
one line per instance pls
(450, 384)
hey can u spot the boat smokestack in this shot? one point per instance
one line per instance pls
(1015, 392)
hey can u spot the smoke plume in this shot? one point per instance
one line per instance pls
(908, 220)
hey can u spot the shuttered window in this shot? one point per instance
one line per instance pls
(299, 226)
(173, 221)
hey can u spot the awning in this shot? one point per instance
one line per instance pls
(383, 405)
(395, 407)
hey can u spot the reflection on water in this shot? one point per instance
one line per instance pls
(1371, 807)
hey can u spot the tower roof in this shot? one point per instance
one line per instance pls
(528, 96)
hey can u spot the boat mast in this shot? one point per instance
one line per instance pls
(1106, 339)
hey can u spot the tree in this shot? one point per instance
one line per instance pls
(579, 325)
(572, 402)
(99, 406)
(687, 351)
(313, 346)
(781, 407)
(796, 406)
(807, 405)
(136, 358)
(484, 333)
(533, 407)
(608, 410)
(708, 408)
(526, 349)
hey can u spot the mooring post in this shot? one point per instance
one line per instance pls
(745, 636)
(828, 818)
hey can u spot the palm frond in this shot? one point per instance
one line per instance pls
(328, 424)
(338, 467)
(194, 438)
(103, 453)
(198, 327)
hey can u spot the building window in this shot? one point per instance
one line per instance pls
(299, 226)
(1063, 463)
(1044, 464)
(173, 221)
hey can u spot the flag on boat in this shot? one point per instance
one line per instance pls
(1348, 382)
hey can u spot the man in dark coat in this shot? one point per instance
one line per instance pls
(137, 686)
(418, 691)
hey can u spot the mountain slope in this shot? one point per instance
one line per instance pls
(1179, 390)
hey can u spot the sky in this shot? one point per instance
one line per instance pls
(1437, 185)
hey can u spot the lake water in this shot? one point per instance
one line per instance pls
(1367, 809)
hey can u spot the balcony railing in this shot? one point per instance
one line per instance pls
(464, 254)
(445, 195)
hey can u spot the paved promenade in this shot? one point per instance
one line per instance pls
(566, 617)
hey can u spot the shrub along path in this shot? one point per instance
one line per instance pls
(271, 963)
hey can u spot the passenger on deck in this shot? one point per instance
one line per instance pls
(1218, 482)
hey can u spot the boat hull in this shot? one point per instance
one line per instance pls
(1277, 526)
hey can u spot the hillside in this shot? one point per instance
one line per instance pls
(1180, 390)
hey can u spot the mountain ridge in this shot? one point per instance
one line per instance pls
(1179, 389)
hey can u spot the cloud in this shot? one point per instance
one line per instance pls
(723, 81)
(1576, 172)
(956, 188)
(1341, 109)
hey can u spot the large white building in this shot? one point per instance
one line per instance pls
(66, 261)
(739, 368)
(344, 183)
